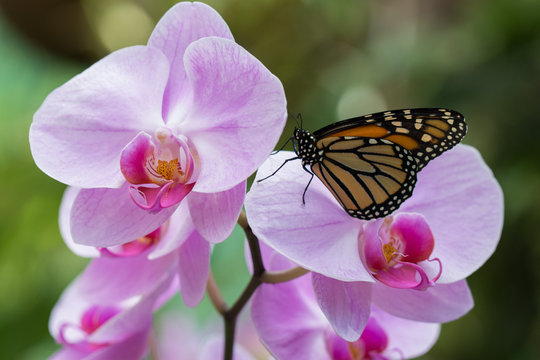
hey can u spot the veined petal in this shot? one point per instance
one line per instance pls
(133, 347)
(133, 275)
(64, 220)
(215, 214)
(237, 115)
(213, 349)
(179, 228)
(282, 313)
(346, 305)
(463, 205)
(319, 235)
(193, 268)
(106, 217)
(180, 26)
(412, 338)
(439, 303)
(81, 128)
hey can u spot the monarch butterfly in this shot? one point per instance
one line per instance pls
(369, 163)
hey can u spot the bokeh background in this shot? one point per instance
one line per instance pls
(336, 59)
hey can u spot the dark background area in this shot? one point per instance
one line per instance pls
(336, 59)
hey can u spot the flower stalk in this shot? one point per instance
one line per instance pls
(259, 276)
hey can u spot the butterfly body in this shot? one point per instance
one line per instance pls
(370, 163)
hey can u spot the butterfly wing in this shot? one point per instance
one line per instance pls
(425, 133)
(370, 177)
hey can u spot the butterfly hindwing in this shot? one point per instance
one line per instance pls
(370, 177)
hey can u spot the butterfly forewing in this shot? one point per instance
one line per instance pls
(425, 133)
(370, 177)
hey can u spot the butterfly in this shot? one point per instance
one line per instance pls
(370, 163)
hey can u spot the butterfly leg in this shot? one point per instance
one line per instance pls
(309, 182)
(272, 174)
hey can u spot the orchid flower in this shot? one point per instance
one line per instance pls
(107, 311)
(411, 264)
(186, 118)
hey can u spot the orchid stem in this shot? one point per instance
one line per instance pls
(215, 295)
(259, 276)
(276, 277)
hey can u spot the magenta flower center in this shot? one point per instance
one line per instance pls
(76, 335)
(95, 316)
(136, 246)
(160, 169)
(397, 251)
(370, 346)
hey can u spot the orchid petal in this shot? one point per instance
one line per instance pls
(346, 305)
(81, 128)
(215, 214)
(239, 108)
(283, 312)
(133, 347)
(106, 217)
(180, 26)
(65, 225)
(463, 205)
(412, 338)
(213, 349)
(177, 229)
(133, 276)
(193, 268)
(319, 235)
(440, 303)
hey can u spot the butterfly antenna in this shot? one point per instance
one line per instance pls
(279, 168)
(299, 121)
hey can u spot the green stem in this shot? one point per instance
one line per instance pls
(259, 276)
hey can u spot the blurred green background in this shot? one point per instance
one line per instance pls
(336, 59)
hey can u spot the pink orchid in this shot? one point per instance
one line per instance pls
(411, 264)
(186, 118)
(177, 236)
(106, 313)
(292, 326)
(181, 338)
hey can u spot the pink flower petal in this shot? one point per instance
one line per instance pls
(106, 217)
(405, 276)
(81, 128)
(65, 225)
(412, 338)
(415, 234)
(193, 268)
(133, 158)
(319, 235)
(440, 303)
(463, 205)
(237, 115)
(215, 214)
(288, 321)
(133, 348)
(180, 26)
(178, 228)
(213, 349)
(346, 305)
(114, 279)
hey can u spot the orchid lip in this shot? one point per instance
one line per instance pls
(137, 246)
(91, 320)
(161, 170)
(396, 248)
